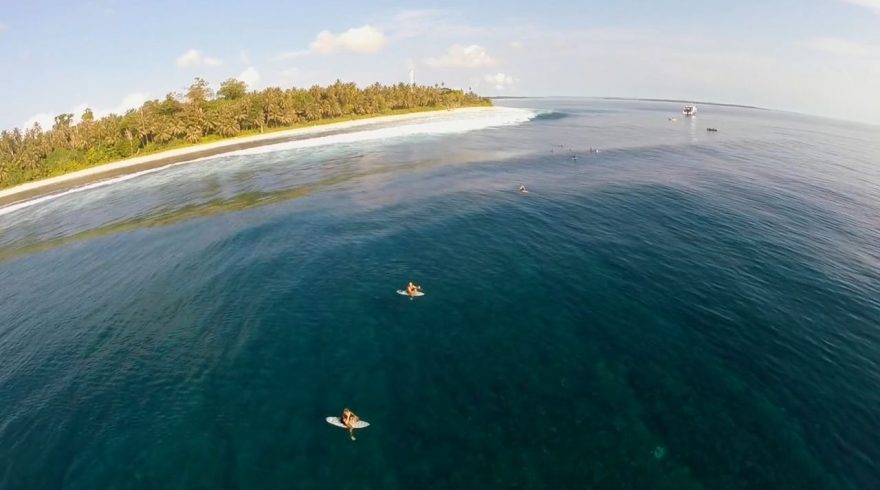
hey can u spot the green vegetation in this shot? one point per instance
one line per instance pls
(200, 116)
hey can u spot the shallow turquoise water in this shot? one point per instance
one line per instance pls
(680, 310)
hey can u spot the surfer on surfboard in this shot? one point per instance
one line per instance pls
(349, 419)
(412, 291)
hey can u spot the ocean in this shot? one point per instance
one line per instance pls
(680, 309)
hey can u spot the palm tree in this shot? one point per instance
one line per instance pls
(23, 154)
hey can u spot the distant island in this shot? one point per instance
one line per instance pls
(201, 116)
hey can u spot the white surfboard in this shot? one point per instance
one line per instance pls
(360, 424)
(404, 293)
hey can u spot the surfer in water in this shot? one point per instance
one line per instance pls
(412, 289)
(348, 419)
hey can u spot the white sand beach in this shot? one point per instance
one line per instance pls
(53, 185)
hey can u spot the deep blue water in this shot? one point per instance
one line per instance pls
(680, 310)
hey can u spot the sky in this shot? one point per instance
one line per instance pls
(817, 57)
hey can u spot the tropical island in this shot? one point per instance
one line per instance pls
(201, 115)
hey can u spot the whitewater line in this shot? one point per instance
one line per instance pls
(428, 123)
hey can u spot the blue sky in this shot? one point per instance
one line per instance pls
(813, 56)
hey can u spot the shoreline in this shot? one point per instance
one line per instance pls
(80, 178)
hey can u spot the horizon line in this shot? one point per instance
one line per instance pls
(872, 125)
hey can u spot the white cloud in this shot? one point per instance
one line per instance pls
(78, 110)
(130, 101)
(458, 56)
(3, 27)
(844, 47)
(191, 57)
(365, 39)
(244, 57)
(362, 40)
(871, 4)
(516, 44)
(47, 120)
(194, 57)
(499, 81)
(249, 76)
(43, 119)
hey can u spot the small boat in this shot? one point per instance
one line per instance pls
(712, 130)
(689, 110)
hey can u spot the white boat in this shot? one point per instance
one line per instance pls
(689, 110)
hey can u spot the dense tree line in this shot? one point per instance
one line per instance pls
(200, 115)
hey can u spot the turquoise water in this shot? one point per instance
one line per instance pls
(680, 310)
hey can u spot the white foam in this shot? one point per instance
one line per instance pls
(101, 183)
(437, 124)
(434, 125)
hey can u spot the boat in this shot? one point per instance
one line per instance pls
(689, 110)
